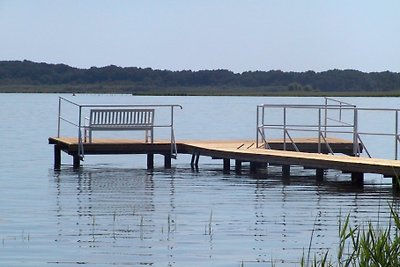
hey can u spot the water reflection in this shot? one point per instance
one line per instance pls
(95, 208)
(174, 218)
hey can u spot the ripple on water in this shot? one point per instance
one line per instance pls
(177, 217)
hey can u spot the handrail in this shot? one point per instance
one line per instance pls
(118, 105)
(327, 99)
(362, 143)
(349, 124)
(67, 100)
(81, 127)
(68, 121)
(322, 124)
(293, 143)
(305, 106)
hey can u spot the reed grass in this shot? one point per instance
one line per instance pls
(363, 246)
(113, 228)
(141, 227)
(208, 230)
(93, 225)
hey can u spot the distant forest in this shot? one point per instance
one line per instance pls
(27, 76)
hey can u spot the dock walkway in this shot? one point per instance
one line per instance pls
(323, 151)
(239, 151)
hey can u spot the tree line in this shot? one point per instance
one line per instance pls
(25, 72)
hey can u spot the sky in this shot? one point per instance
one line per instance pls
(237, 35)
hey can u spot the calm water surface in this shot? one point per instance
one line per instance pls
(113, 212)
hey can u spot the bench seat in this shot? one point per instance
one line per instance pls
(121, 120)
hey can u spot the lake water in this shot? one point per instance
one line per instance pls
(113, 212)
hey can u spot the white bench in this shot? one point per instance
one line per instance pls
(121, 120)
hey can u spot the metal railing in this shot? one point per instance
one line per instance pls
(338, 118)
(77, 120)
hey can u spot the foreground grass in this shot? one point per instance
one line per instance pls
(364, 246)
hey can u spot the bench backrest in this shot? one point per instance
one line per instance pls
(121, 117)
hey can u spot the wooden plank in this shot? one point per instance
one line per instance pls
(241, 150)
(352, 164)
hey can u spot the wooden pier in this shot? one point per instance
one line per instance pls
(239, 151)
(321, 152)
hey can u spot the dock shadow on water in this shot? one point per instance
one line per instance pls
(134, 217)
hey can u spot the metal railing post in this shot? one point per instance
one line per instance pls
(263, 128)
(326, 117)
(355, 133)
(263, 116)
(284, 128)
(396, 134)
(319, 130)
(257, 126)
(172, 131)
(59, 117)
(80, 132)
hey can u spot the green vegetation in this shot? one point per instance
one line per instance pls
(364, 246)
(30, 77)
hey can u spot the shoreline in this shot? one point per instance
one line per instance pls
(249, 92)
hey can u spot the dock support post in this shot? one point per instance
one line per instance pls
(227, 166)
(238, 166)
(192, 160)
(396, 184)
(150, 161)
(357, 178)
(194, 163)
(57, 157)
(167, 161)
(253, 167)
(285, 170)
(319, 173)
(76, 161)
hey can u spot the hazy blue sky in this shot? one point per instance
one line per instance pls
(205, 34)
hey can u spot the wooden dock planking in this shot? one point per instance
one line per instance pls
(133, 146)
(311, 160)
(100, 146)
(238, 150)
(311, 145)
